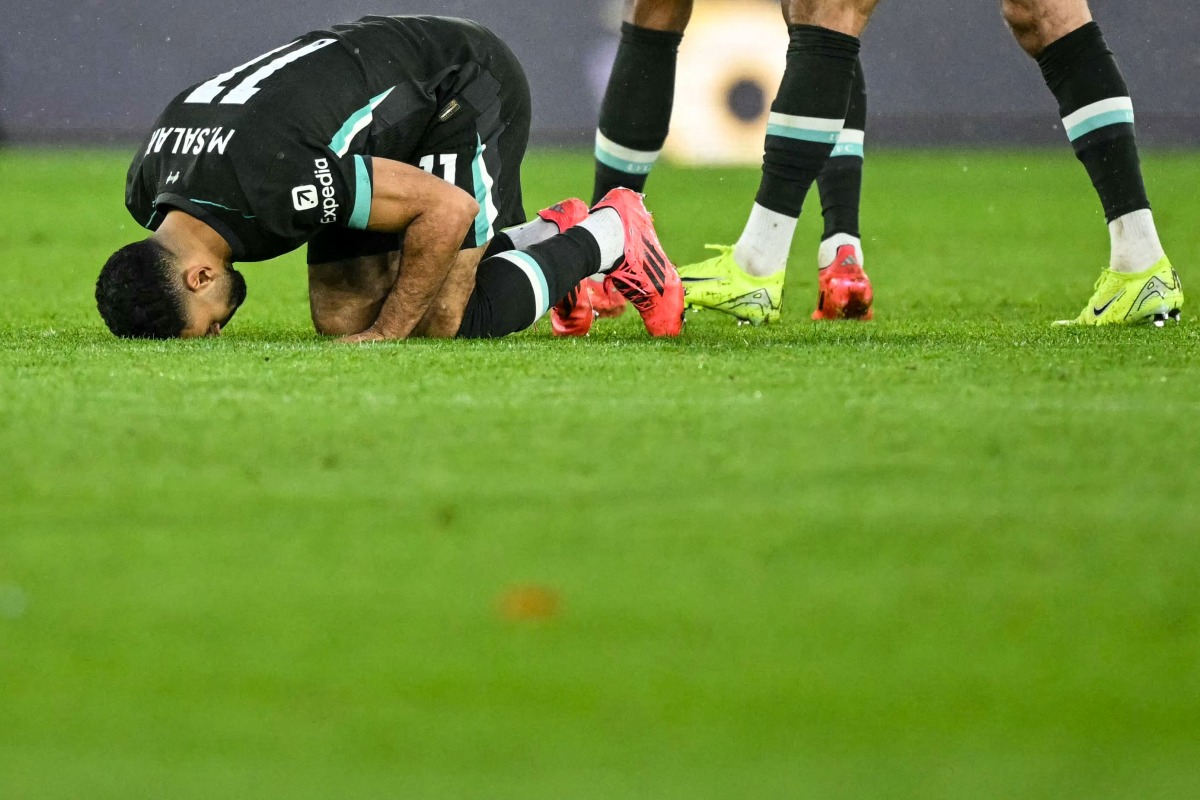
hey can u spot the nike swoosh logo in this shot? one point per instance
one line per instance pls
(1098, 311)
(686, 279)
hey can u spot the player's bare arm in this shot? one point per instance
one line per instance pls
(435, 216)
(444, 317)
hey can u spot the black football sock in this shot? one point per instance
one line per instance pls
(840, 180)
(636, 111)
(1097, 116)
(500, 243)
(514, 289)
(807, 116)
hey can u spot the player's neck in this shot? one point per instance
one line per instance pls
(185, 235)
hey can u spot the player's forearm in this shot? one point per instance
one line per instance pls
(431, 247)
(434, 216)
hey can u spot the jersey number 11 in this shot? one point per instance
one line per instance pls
(208, 91)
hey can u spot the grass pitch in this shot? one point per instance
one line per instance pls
(951, 553)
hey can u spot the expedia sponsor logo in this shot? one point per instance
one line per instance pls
(324, 178)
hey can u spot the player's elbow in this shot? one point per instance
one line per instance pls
(468, 209)
(459, 215)
(447, 219)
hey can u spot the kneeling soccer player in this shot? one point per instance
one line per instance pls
(392, 147)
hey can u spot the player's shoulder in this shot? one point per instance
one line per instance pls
(424, 33)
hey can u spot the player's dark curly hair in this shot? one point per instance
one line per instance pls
(138, 293)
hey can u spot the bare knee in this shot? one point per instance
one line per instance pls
(339, 316)
(1022, 21)
(845, 16)
(660, 15)
(344, 297)
(1036, 24)
(335, 326)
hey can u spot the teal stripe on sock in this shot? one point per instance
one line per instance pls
(621, 165)
(544, 305)
(362, 195)
(803, 134)
(1100, 121)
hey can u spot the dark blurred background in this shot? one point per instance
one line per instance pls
(939, 71)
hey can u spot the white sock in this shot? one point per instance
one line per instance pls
(827, 252)
(1135, 244)
(766, 240)
(609, 231)
(535, 231)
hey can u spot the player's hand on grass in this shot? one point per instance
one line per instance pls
(369, 335)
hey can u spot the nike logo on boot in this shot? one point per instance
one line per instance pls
(1098, 311)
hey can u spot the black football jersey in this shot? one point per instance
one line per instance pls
(272, 150)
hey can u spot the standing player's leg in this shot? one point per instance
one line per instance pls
(806, 119)
(634, 118)
(844, 291)
(636, 111)
(1139, 285)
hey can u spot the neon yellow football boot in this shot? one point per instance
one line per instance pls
(1154, 296)
(720, 284)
